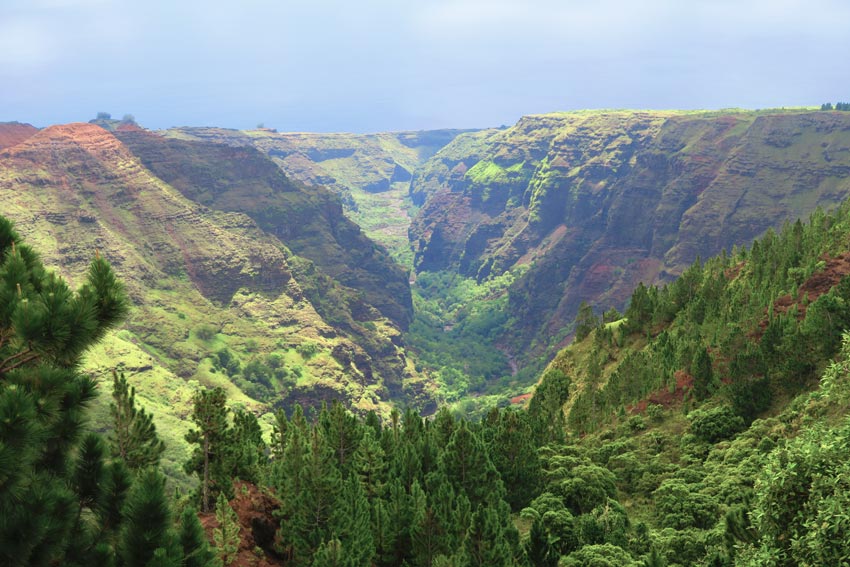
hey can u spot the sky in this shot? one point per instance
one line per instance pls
(378, 65)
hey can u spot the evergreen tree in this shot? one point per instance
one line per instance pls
(342, 432)
(210, 416)
(585, 321)
(244, 449)
(370, 465)
(352, 525)
(467, 466)
(133, 437)
(515, 457)
(147, 522)
(486, 544)
(310, 511)
(45, 327)
(226, 535)
(546, 408)
(703, 375)
(329, 554)
(193, 541)
(539, 551)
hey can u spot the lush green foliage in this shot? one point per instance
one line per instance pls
(454, 330)
(62, 499)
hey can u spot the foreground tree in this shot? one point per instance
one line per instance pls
(47, 502)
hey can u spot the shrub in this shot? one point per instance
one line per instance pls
(715, 424)
(205, 332)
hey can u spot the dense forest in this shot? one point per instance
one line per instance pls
(705, 426)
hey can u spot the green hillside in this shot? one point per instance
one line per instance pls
(217, 300)
(582, 206)
(708, 426)
(716, 406)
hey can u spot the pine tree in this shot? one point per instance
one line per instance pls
(585, 321)
(370, 465)
(352, 525)
(210, 416)
(703, 375)
(342, 432)
(485, 544)
(193, 541)
(133, 438)
(309, 512)
(45, 327)
(539, 551)
(245, 450)
(329, 554)
(515, 457)
(147, 522)
(226, 535)
(467, 466)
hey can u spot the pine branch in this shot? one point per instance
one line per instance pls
(14, 357)
(4, 370)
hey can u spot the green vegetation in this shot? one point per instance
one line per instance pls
(561, 193)
(454, 333)
(706, 425)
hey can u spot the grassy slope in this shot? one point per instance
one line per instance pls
(185, 269)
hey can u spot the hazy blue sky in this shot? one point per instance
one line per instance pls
(373, 65)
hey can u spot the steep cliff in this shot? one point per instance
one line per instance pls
(594, 202)
(370, 172)
(216, 299)
(309, 220)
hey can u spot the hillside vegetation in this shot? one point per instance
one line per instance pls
(216, 299)
(592, 203)
(704, 403)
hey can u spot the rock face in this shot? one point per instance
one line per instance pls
(339, 161)
(192, 259)
(309, 221)
(594, 202)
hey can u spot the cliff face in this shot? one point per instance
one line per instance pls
(201, 279)
(343, 162)
(370, 173)
(309, 221)
(595, 202)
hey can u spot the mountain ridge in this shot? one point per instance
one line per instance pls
(603, 200)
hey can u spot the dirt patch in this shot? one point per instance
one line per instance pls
(732, 272)
(663, 396)
(255, 509)
(818, 284)
(521, 400)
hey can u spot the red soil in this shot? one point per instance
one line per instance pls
(664, 397)
(817, 285)
(13, 133)
(255, 510)
(522, 399)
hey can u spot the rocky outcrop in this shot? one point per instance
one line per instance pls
(594, 202)
(310, 221)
